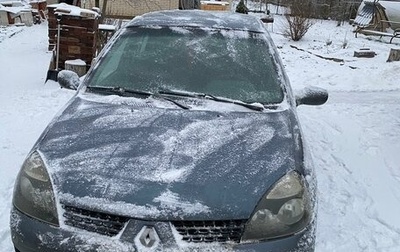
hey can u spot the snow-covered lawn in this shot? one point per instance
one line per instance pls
(354, 137)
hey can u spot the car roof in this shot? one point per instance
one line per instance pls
(199, 18)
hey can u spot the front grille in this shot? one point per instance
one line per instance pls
(105, 224)
(191, 231)
(210, 231)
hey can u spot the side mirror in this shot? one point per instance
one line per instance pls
(68, 79)
(312, 96)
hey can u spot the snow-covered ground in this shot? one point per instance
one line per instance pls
(354, 137)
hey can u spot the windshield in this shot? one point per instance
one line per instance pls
(233, 64)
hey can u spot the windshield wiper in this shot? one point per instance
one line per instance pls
(179, 93)
(183, 106)
(237, 102)
(211, 97)
(121, 91)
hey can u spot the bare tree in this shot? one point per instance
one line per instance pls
(298, 18)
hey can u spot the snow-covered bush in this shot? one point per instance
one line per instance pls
(298, 19)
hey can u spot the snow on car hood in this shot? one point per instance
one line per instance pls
(159, 163)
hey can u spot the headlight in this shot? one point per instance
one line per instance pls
(284, 210)
(33, 192)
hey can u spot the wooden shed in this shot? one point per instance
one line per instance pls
(131, 8)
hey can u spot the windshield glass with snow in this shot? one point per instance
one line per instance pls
(232, 64)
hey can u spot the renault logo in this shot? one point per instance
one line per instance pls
(148, 237)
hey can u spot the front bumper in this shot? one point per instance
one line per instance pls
(31, 235)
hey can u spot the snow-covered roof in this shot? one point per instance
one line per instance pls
(6, 1)
(198, 18)
(366, 12)
(365, 15)
(15, 9)
(72, 10)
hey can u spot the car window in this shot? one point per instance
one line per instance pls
(232, 64)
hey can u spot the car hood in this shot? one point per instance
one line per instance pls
(158, 163)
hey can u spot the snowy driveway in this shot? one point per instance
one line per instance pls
(355, 137)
